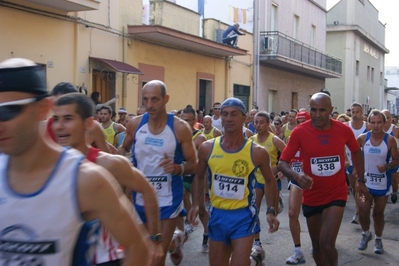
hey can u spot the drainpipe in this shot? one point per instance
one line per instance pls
(227, 78)
(76, 52)
(255, 92)
(123, 96)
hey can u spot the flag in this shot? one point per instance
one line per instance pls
(201, 7)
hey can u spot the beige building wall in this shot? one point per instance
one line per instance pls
(65, 41)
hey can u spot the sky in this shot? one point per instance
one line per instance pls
(387, 12)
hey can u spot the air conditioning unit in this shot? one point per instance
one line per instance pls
(268, 43)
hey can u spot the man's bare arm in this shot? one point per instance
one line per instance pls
(198, 185)
(100, 196)
(131, 128)
(184, 136)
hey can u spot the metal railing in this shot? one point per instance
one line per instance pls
(274, 43)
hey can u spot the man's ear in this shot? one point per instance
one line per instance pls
(45, 106)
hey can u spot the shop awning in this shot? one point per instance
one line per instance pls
(119, 66)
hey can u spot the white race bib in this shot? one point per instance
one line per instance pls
(161, 184)
(376, 181)
(297, 167)
(325, 166)
(228, 187)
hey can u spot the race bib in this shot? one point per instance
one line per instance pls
(325, 166)
(297, 167)
(161, 184)
(376, 181)
(228, 187)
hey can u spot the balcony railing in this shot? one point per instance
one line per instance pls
(274, 43)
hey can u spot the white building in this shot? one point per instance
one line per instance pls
(355, 34)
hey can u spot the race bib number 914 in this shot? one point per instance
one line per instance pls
(325, 166)
(228, 187)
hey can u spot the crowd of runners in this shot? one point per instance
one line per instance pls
(83, 185)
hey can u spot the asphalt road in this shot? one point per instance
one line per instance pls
(279, 246)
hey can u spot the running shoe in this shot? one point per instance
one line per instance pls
(394, 197)
(257, 256)
(364, 241)
(188, 227)
(355, 219)
(176, 255)
(297, 258)
(205, 246)
(378, 248)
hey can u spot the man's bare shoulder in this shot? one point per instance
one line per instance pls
(181, 126)
(111, 161)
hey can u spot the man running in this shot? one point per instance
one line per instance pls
(273, 146)
(378, 147)
(289, 126)
(209, 130)
(36, 173)
(232, 161)
(189, 115)
(358, 127)
(160, 143)
(321, 142)
(72, 120)
(110, 128)
(216, 119)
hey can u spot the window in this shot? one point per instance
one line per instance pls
(357, 67)
(313, 36)
(273, 18)
(294, 100)
(368, 73)
(295, 27)
(372, 74)
(242, 92)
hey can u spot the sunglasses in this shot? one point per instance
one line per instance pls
(216, 108)
(10, 110)
(277, 124)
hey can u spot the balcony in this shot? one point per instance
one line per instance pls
(69, 5)
(280, 50)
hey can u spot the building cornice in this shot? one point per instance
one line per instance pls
(360, 31)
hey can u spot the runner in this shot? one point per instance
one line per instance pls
(294, 202)
(273, 146)
(35, 173)
(321, 142)
(159, 142)
(378, 147)
(72, 119)
(232, 161)
(209, 130)
(110, 128)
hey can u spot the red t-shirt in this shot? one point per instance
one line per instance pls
(323, 159)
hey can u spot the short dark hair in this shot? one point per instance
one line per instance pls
(84, 106)
(189, 110)
(216, 103)
(104, 107)
(263, 114)
(94, 96)
(63, 88)
(376, 112)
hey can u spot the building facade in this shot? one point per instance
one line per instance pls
(104, 46)
(293, 63)
(355, 34)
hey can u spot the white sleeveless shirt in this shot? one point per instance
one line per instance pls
(45, 227)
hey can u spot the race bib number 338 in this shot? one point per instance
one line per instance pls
(228, 187)
(325, 166)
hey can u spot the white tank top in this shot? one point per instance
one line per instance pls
(357, 133)
(373, 156)
(45, 227)
(218, 123)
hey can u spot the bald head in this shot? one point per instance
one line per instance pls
(321, 97)
(156, 84)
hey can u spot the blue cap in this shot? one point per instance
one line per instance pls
(234, 102)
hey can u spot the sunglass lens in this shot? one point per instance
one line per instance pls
(8, 112)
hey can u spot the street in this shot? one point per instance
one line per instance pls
(279, 246)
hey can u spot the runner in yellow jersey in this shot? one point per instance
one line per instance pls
(110, 128)
(273, 145)
(209, 131)
(288, 127)
(232, 161)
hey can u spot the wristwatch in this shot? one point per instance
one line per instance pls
(270, 210)
(362, 179)
(156, 238)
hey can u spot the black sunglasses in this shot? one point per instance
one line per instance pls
(10, 110)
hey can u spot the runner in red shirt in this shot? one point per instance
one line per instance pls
(322, 142)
